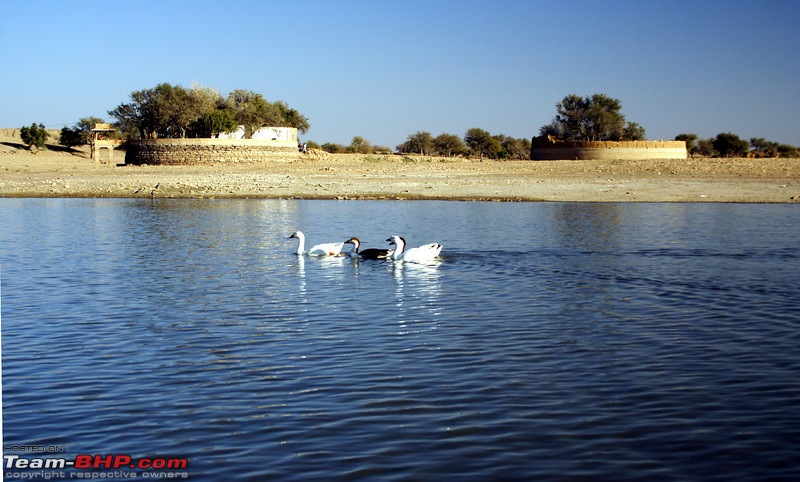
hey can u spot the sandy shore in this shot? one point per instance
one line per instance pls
(71, 173)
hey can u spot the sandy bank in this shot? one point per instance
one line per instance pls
(71, 173)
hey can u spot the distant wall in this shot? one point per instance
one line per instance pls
(545, 148)
(54, 134)
(208, 151)
(287, 134)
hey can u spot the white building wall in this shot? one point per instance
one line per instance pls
(284, 135)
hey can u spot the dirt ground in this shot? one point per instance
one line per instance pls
(61, 172)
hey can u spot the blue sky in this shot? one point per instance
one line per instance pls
(384, 70)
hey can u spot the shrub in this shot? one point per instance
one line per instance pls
(34, 136)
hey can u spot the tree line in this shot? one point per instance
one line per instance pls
(591, 118)
(727, 144)
(173, 111)
(169, 111)
(476, 142)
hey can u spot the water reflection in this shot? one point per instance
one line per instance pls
(422, 277)
(590, 226)
(417, 295)
(299, 265)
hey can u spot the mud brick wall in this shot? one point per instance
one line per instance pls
(543, 148)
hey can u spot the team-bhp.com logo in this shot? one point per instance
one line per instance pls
(94, 463)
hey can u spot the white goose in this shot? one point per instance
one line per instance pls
(324, 249)
(426, 252)
(371, 253)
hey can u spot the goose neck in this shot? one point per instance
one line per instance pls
(400, 246)
(301, 242)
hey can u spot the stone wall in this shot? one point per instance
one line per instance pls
(208, 151)
(546, 148)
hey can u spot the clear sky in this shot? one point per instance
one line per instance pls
(384, 70)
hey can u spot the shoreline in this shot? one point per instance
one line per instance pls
(66, 173)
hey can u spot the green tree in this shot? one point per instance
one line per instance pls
(786, 150)
(34, 136)
(633, 132)
(213, 122)
(595, 118)
(252, 111)
(164, 111)
(449, 145)
(554, 129)
(359, 145)
(572, 118)
(150, 112)
(71, 137)
(129, 120)
(525, 144)
(379, 149)
(705, 148)
(162, 104)
(80, 134)
(690, 140)
(173, 111)
(514, 148)
(728, 144)
(420, 142)
(481, 143)
(605, 122)
(763, 148)
(180, 108)
(291, 118)
(205, 99)
(333, 148)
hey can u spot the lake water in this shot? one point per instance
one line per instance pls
(560, 341)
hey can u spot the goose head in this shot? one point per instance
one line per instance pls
(355, 242)
(399, 242)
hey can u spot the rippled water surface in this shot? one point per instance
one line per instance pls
(549, 342)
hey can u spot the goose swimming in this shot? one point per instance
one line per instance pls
(324, 249)
(426, 252)
(370, 253)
